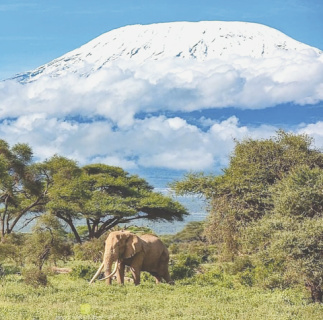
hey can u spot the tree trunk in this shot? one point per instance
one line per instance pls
(2, 230)
(71, 224)
(76, 235)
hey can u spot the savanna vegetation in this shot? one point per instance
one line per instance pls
(266, 212)
(259, 254)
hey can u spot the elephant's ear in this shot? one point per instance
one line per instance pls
(133, 246)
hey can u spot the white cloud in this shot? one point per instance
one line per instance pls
(314, 130)
(121, 91)
(151, 142)
(105, 117)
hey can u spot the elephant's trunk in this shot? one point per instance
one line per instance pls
(110, 257)
(112, 273)
(108, 276)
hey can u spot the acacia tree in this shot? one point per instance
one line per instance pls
(102, 197)
(23, 187)
(242, 194)
(268, 203)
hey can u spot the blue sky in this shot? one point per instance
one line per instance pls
(133, 121)
(35, 32)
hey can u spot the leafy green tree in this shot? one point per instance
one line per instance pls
(298, 199)
(102, 197)
(268, 203)
(300, 194)
(23, 187)
(300, 246)
(47, 242)
(68, 192)
(193, 231)
(242, 194)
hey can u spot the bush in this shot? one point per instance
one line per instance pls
(10, 249)
(185, 266)
(240, 264)
(180, 271)
(91, 250)
(35, 277)
(85, 272)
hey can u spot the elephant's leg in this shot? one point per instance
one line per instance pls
(136, 275)
(109, 280)
(136, 266)
(158, 279)
(120, 273)
(167, 277)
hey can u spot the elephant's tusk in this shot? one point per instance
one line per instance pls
(97, 273)
(112, 273)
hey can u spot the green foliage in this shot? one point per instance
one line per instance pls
(48, 242)
(302, 247)
(268, 204)
(193, 231)
(215, 277)
(89, 250)
(82, 271)
(300, 193)
(105, 196)
(35, 277)
(10, 249)
(185, 266)
(23, 188)
(180, 271)
(218, 297)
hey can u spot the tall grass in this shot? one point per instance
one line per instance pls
(66, 299)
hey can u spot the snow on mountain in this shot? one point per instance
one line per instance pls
(201, 41)
(166, 95)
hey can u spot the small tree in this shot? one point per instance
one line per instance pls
(23, 187)
(48, 242)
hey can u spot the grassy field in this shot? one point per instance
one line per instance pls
(65, 298)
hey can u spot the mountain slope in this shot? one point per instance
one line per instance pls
(201, 41)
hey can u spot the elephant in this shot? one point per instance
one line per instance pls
(144, 253)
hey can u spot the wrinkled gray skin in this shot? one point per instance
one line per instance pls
(145, 253)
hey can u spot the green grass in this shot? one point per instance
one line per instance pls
(67, 298)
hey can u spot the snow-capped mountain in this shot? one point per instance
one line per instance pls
(201, 41)
(170, 95)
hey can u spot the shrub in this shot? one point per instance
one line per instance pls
(10, 249)
(240, 264)
(180, 271)
(91, 250)
(35, 277)
(185, 266)
(85, 272)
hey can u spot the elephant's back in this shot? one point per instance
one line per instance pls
(153, 241)
(150, 238)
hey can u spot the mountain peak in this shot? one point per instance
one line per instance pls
(201, 41)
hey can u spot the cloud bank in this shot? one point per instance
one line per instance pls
(116, 115)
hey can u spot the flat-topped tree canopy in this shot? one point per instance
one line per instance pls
(105, 196)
